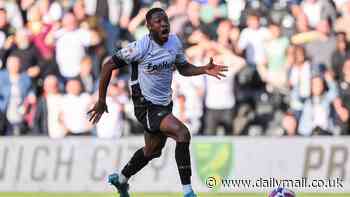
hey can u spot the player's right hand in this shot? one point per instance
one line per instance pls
(96, 112)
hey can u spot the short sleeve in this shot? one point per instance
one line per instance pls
(84, 36)
(133, 52)
(180, 55)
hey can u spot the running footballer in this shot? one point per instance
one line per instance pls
(151, 60)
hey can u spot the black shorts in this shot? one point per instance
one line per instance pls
(150, 115)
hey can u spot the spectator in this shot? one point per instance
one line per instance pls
(114, 15)
(234, 9)
(188, 105)
(318, 10)
(344, 94)
(38, 31)
(294, 6)
(220, 97)
(14, 88)
(5, 36)
(117, 12)
(13, 13)
(79, 11)
(193, 13)
(320, 51)
(137, 25)
(303, 34)
(289, 125)
(5, 27)
(299, 78)
(182, 113)
(342, 23)
(86, 77)
(200, 43)
(50, 10)
(178, 17)
(317, 117)
(112, 124)
(76, 104)
(340, 55)
(302, 23)
(50, 104)
(276, 72)
(30, 106)
(224, 33)
(251, 41)
(24, 6)
(39, 37)
(70, 44)
(212, 10)
(27, 52)
(340, 5)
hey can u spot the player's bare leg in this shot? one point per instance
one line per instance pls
(175, 129)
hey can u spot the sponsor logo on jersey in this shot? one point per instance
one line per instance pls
(156, 68)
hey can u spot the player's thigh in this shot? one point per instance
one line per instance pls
(154, 143)
(174, 128)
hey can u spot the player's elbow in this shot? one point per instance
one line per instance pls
(184, 72)
(108, 66)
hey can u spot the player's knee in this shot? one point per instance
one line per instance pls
(176, 127)
(156, 154)
(184, 135)
(153, 152)
(151, 155)
(147, 152)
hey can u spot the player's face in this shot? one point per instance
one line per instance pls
(159, 26)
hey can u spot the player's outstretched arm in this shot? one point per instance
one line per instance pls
(211, 69)
(100, 107)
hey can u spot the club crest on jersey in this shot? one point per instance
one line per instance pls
(156, 68)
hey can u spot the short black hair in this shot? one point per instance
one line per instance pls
(151, 12)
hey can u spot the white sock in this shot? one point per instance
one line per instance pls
(187, 188)
(122, 178)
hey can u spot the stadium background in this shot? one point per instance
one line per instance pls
(284, 104)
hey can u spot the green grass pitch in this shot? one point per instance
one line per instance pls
(13, 194)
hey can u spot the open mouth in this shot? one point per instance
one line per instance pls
(165, 32)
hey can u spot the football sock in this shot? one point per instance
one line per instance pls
(187, 188)
(183, 161)
(136, 163)
(122, 178)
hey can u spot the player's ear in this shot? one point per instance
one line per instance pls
(148, 25)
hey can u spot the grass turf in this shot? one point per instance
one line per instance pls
(40, 194)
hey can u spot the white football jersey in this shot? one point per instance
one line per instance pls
(153, 66)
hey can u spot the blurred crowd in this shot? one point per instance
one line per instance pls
(289, 66)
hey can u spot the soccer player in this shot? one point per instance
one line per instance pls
(152, 60)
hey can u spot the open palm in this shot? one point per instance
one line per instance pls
(215, 70)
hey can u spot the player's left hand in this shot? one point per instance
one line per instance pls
(97, 111)
(215, 70)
